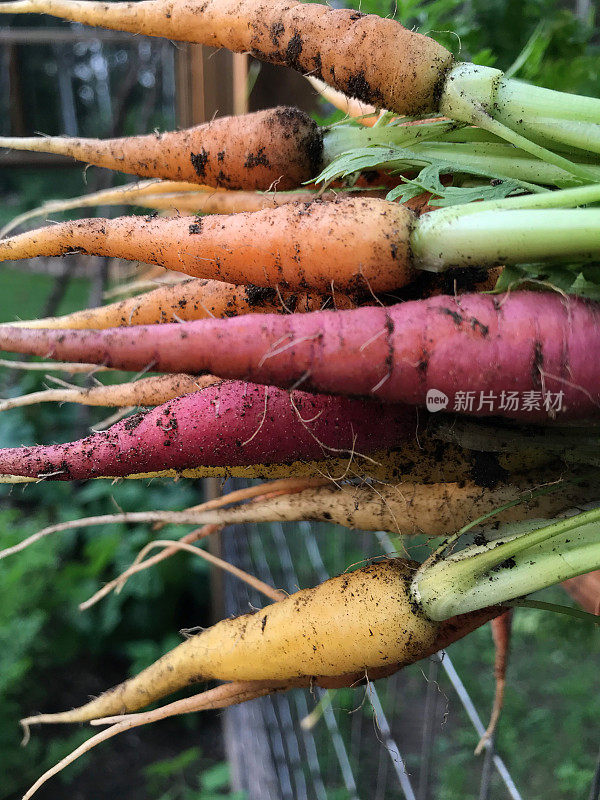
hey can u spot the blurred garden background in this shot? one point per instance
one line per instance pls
(52, 656)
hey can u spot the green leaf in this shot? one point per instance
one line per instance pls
(215, 778)
(395, 159)
(173, 766)
(576, 279)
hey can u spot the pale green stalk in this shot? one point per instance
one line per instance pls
(524, 559)
(501, 159)
(550, 116)
(507, 237)
(515, 230)
(565, 198)
(483, 96)
(344, 137)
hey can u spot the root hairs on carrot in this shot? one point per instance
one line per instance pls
(339, 628)
(216, 426)
(152, 391)
(470, 349)
(227, 694)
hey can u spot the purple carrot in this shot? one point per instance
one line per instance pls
(230, 424)
(527, 355)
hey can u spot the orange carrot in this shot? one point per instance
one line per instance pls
(152, 391)
(280, 146)
(365, 113)
(193, 299)
(501, 628)
(585, 589)
(347, 244)
(233, 201)
(376, 60)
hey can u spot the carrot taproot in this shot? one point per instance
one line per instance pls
(407, 508)
(231, 693)
(523, 355)
(585, 590)
(501, 634)
(280, 146)
(315, 245)
(235, 692)
(193, 299)
(300, 247)
(377, 60)
(200, 298)
(419, 459)
(228, 424)
(353, 623)
(152, 391)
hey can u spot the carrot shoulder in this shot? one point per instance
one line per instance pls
(376, 60)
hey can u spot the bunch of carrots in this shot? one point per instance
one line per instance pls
(318, 328)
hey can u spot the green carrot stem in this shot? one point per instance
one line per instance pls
(565, 198)
(502, 159)
(568, 611)
(507, 568)
(340, 139)
(572, 134)
(524, 236)
(485, 97)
